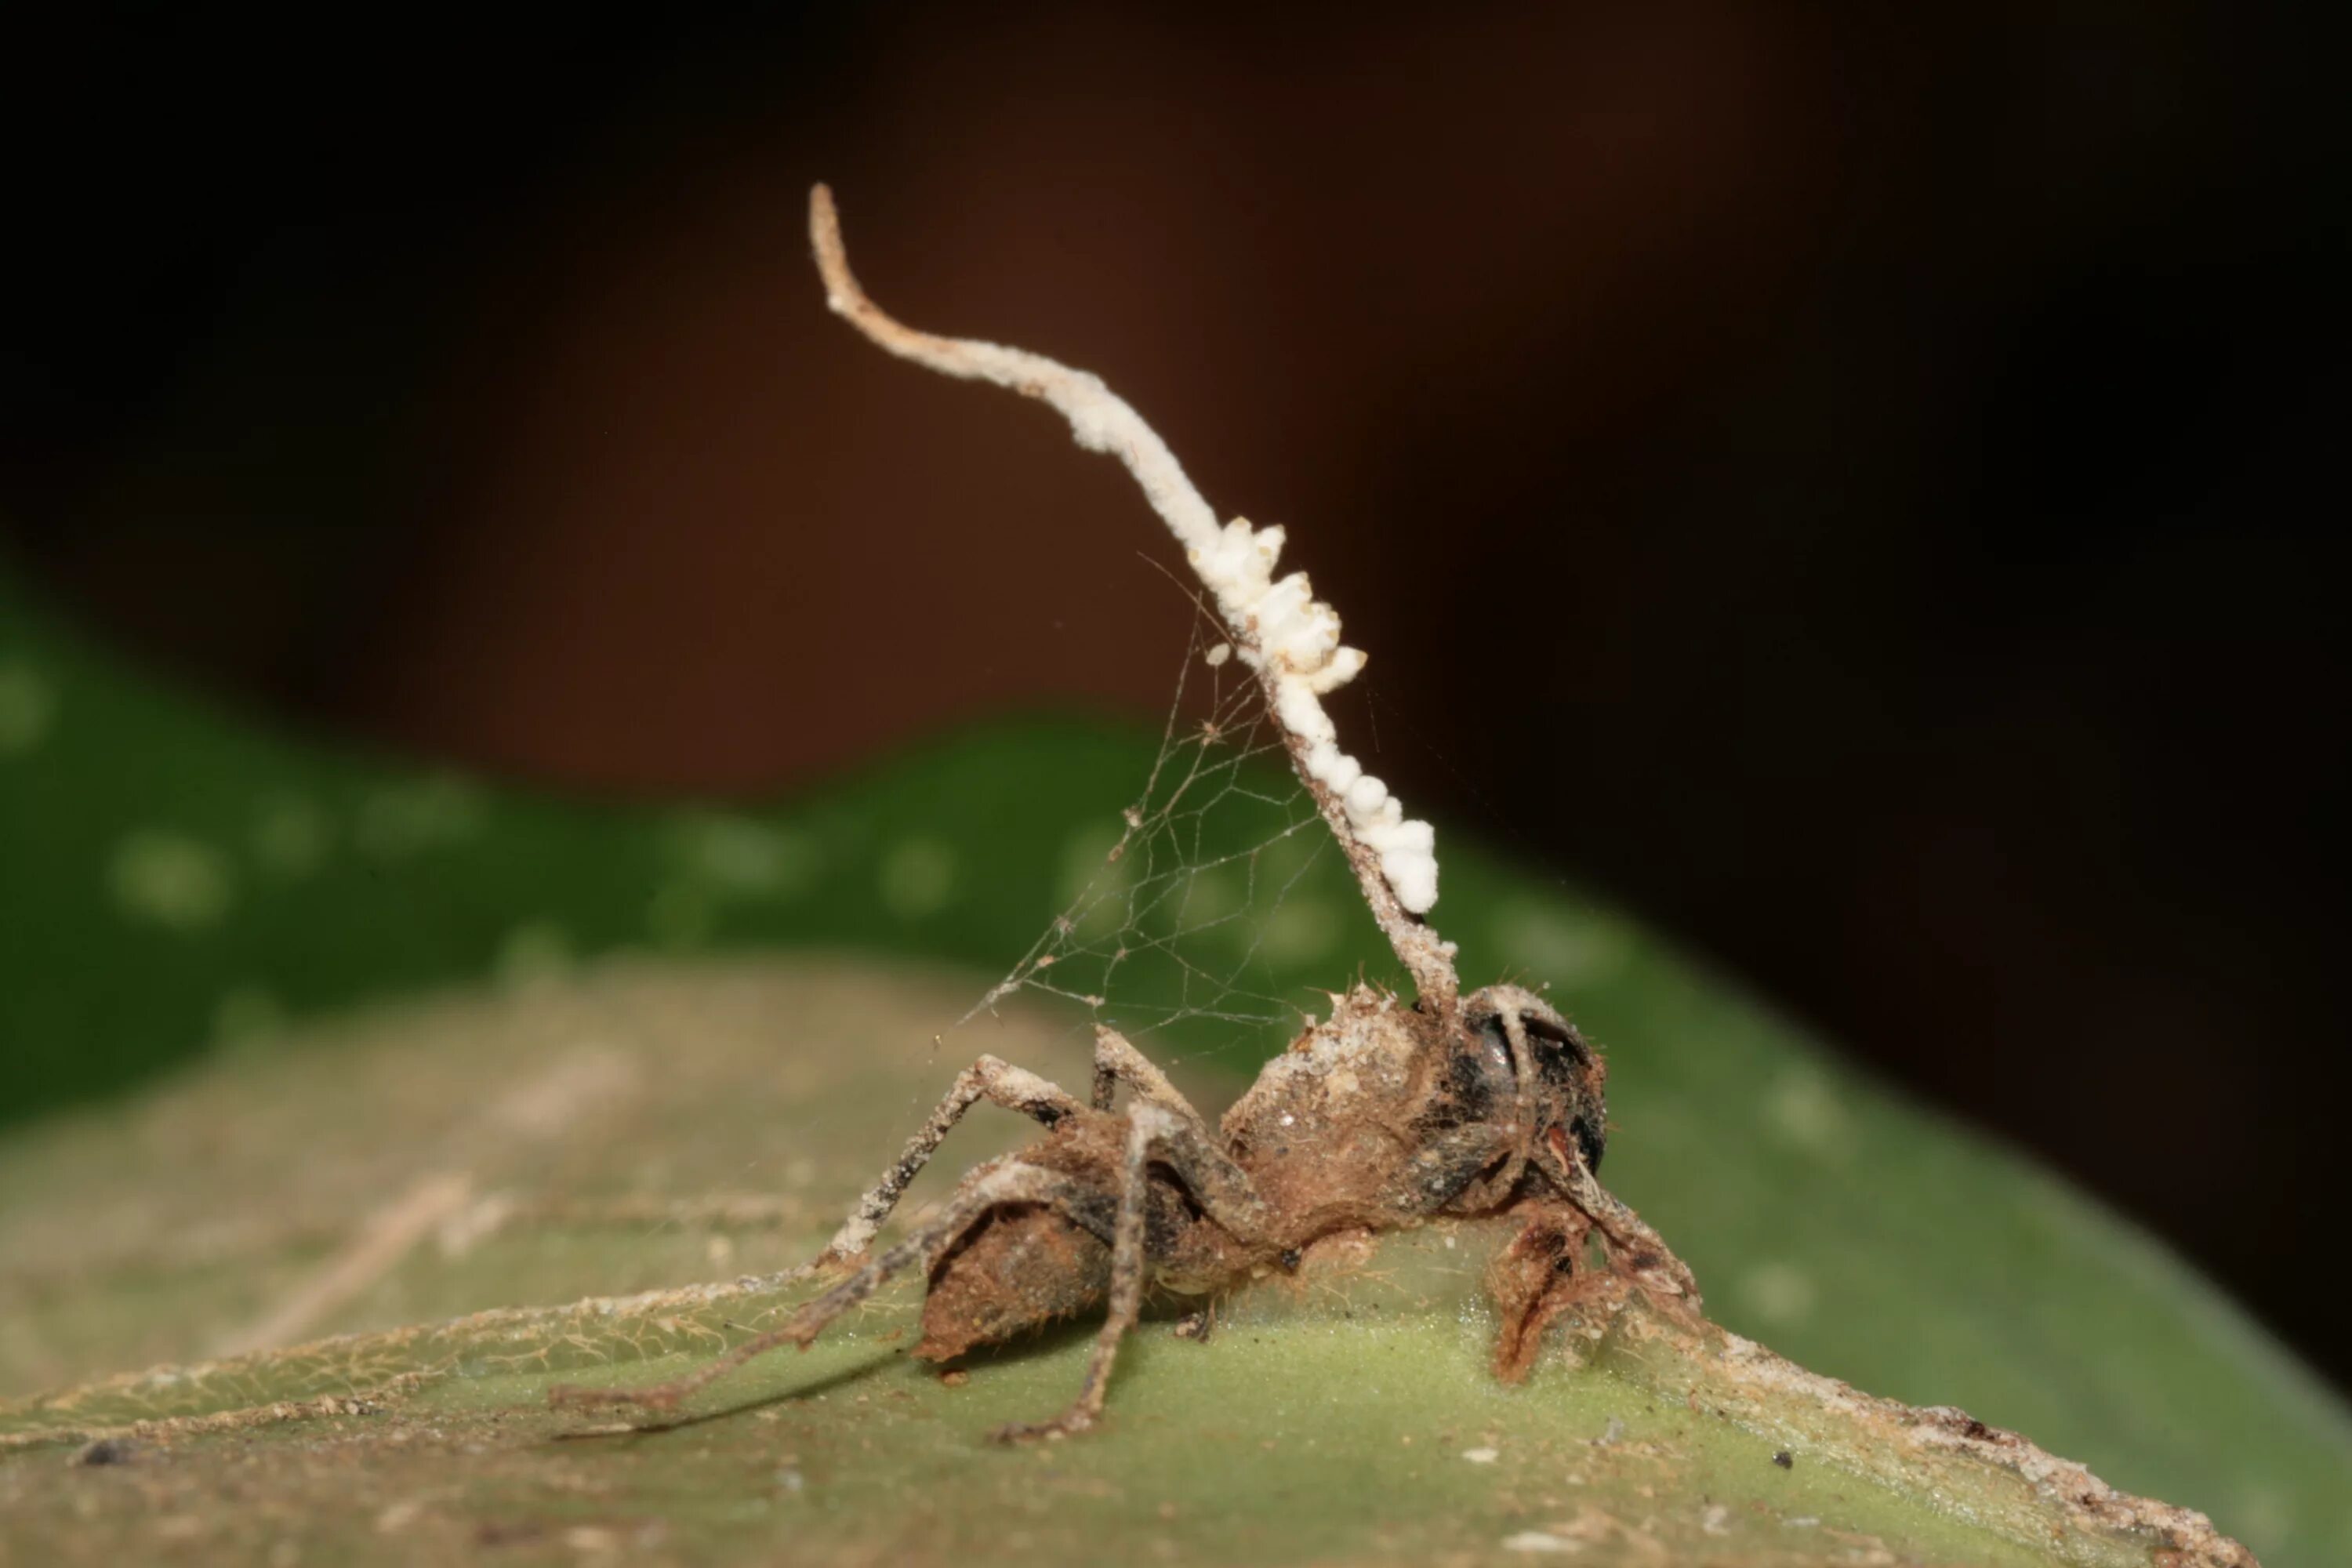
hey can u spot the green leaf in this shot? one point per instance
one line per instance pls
(1346, 1412)
(180, 886)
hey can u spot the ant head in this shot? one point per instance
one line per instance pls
(1567, 1076)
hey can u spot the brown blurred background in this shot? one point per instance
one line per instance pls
(1849, 481)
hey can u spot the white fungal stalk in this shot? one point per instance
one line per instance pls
(1286, 635)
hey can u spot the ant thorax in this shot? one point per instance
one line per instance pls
(1332, 1123)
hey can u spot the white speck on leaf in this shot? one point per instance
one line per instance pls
(28, 705)
(739, 856)
(247, 1015)
(1299, 931)
(917, 878)
(680, 914)
(532, 954)
(1779, 1293)
(290, 836)
(1538, 1541)
(171, 880)
(406, 818)
(1803, 1109)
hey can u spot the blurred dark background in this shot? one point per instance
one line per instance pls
(1849, 481)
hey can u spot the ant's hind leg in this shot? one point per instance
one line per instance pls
(1223, 1191)
(1145, 1125)
(1003, 1182)
(989, 1078)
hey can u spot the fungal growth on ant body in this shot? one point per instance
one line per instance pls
(1383, 1116)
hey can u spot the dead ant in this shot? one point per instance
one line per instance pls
(1380, 1118)
(1376, 1120)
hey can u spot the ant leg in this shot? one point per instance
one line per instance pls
(1146, 1124)
(1002, 1181)
(1198, 1325)
(1537, 1277)
(1117, 1062)
(1620, 1227)
(1223, 1191)
(1217, 1180)
(1000, 1083)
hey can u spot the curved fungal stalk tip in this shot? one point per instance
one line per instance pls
(1289, 638)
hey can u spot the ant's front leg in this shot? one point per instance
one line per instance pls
(1538, 1277)
(1625, 1235)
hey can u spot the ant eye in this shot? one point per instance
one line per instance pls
(1552, 1032)
(1495, 1050)
(1482, 1077)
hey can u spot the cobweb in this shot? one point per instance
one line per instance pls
(1205, 917)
